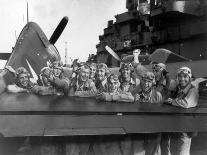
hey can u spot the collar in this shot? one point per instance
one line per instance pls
(186, 89)
(104, 82)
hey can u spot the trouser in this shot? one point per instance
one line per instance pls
(152, 144)
(165, 144)
(180, 144)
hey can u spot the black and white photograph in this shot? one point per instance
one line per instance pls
(103, 77)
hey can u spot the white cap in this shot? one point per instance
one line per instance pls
(184, 70)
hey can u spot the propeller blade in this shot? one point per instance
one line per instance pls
(59, 29)
(108, 49)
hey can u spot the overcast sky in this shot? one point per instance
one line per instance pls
(87, 19)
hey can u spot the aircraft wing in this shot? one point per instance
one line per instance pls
(165, 56)
(4, 56)
(62, 116)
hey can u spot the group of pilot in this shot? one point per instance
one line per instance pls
(96, 80)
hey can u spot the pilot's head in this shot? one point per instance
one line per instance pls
(22, 77)
(126, 70)
(113, 83)
(102, 72)
(57, 68)
(92, 70)
(184, 76)
(147, 81)
(158, 69)
(83, 73)
(45, 74)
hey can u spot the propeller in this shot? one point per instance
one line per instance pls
(112, 53)
(140, 70)
(131, 58)
(59, 29)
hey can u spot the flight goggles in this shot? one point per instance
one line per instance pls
(185, 70)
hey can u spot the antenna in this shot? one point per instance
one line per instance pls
(66, 53)
(27, 13)
(15, 33)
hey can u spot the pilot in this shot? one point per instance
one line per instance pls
(185, 96)
(146, 92)
(45, 73)
(82, 85)
(127, 80)
(113, 91)
(22, 82)
(60, 82)
(92, 71)
(102, 72)
(163, 82)
(76, 66)
(45, 86)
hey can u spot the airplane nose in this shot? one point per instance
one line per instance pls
(53, 53)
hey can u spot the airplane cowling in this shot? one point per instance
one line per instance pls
(31, 47)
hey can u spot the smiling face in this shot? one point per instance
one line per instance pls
(113, 86)
(125, 72)
(23, 79)
(113, 83)
(84, 74)
(101, 74)
(57, 71)
(146, 84)
(92, 71)
(183, 80)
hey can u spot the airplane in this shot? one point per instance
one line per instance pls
(172, 60)
(32, 50)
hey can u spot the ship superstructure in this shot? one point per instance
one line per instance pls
(177, 25)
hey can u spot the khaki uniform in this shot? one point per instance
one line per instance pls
(152, 140)
(86, 89)
(128, 86)
(153, 96)
(101, 86)
(61, 85)
(186, 98)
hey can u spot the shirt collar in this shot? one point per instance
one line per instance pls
(186, 89)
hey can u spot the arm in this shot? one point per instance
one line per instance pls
(61, 83)
(191, 100)
(140, 70)
(15, 89)
(123, 97)
(158, 98)
(41, 90)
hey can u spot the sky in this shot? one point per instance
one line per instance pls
(87, 19)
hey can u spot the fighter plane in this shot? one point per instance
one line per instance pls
(172, 60)
(32, 50)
